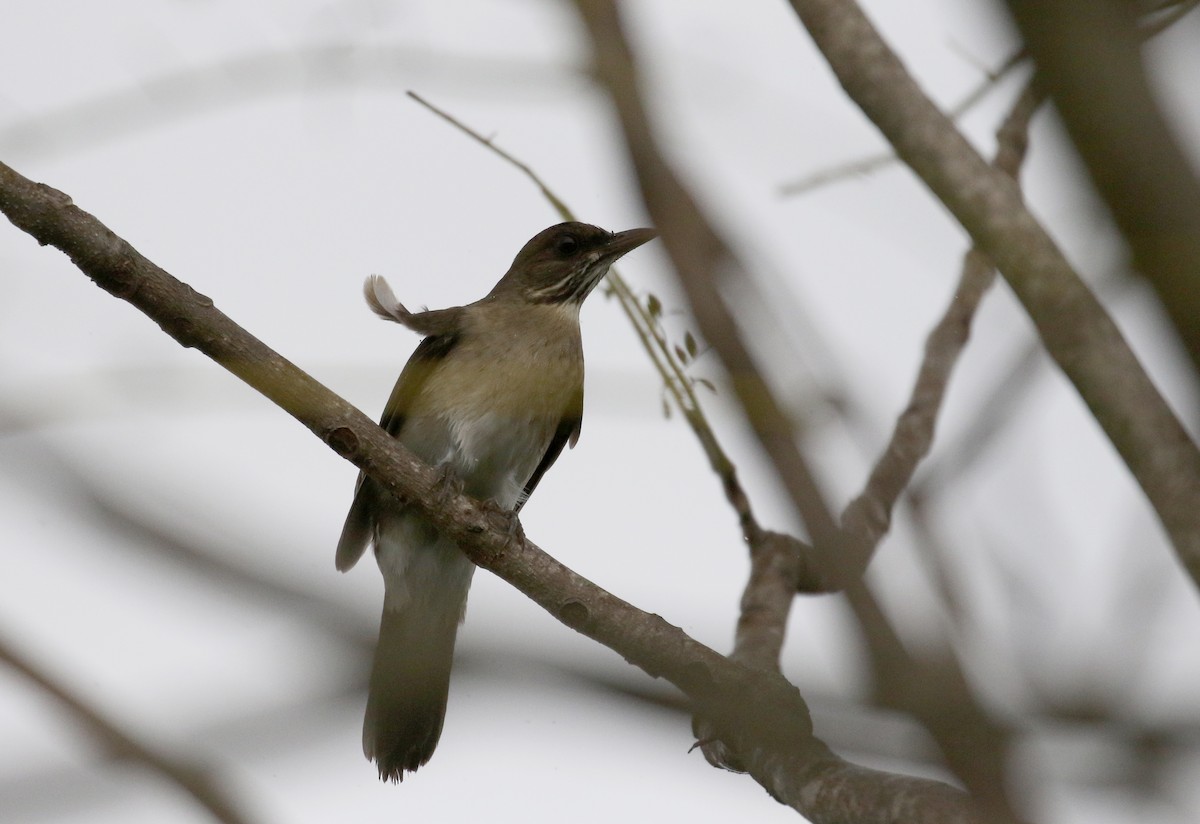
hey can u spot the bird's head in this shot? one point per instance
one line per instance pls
(564, 263)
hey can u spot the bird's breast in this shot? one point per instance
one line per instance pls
(499, 402)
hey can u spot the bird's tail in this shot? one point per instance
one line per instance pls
(410, 681)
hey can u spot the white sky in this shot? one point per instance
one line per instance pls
(276, 192)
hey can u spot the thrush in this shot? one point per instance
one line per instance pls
(491, 395)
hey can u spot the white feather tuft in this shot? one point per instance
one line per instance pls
(382, 300)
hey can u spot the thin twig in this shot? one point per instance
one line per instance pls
(870, 163)
(994, 412)
(1160, 16)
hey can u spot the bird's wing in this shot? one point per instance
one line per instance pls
(360, 520)
(429, 353)
(566, 432)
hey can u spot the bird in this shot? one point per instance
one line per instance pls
(491, 395)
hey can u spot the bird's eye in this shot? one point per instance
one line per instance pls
(566, 245)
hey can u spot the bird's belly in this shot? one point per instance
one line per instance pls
(495, 452)
(492, 422)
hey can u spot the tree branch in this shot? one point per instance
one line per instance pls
(1074, 327)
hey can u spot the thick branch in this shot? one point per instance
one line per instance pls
(1074, 327)
(772, 731)
(1088, 58)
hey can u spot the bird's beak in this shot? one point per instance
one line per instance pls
(596, 267)
(622, 243)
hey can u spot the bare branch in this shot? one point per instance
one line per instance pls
(1074, 327)
(767, 600)
(992, 414)
(559, 206)
(1156, 16)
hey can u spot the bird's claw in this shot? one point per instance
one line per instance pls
(513, 531)
(447, 486)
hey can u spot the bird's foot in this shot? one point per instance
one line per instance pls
(447, 486)
(513, 531)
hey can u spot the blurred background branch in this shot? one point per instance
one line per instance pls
(352, 65)
(1088, 59)
(196, 780)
